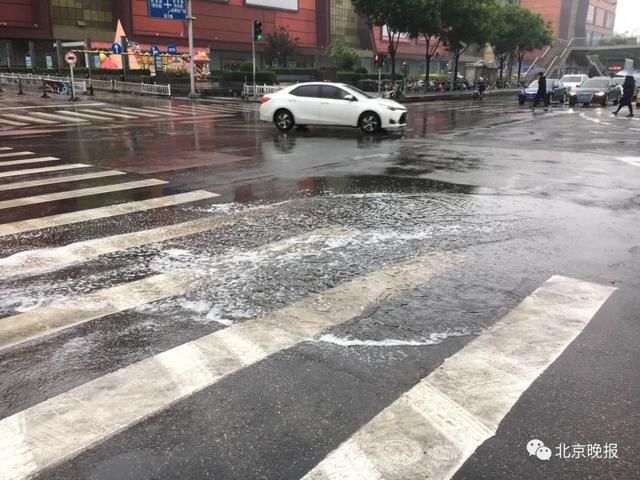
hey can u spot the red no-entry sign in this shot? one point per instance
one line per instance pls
(70, 58)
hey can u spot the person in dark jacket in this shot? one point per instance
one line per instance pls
(628, 91)
(542, 92)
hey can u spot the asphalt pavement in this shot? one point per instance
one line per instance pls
(188, 293)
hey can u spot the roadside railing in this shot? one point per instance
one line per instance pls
(259, 90)
(62, 85)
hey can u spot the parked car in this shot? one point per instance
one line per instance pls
(334, 104)
(573, 80)
(600, 90)
(556, 91)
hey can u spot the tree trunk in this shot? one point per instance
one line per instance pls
(520, 59)
(502, 59)
(456, 58)
(427, 64)
(392, 54)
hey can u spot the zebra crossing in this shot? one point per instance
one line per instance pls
(105, 113)
(439, 421)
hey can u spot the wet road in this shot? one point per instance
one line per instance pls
(187, 293)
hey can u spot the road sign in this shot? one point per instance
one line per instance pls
(155, 50)
(70, 58)
(168, 9)
(116, 48)
(171, 49)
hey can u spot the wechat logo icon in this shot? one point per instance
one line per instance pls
(537, 448)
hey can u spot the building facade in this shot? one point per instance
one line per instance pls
(28, 28)
(590, 19)
(601, 18)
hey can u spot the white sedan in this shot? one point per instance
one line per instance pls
(332, 104)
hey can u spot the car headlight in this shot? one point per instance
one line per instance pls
(393, 109)
(573, 94)
(599, 94)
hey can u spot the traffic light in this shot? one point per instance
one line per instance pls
(257, 31)
(377, 60)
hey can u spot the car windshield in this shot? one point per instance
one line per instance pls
(572, 79)
(595, 83)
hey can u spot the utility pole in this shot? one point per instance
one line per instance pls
(253, 53)
(192, 63)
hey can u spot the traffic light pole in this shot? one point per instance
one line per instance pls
(253, 51)
(379, 81)
(192, 63)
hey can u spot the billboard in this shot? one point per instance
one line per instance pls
(280, 4)
(404, 37)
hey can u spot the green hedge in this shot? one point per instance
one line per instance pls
(296, 71)
(353, 77)
(261, 77)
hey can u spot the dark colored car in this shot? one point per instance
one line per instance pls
(598, 90)
(556, 91)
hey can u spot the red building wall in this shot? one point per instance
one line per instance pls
(229, 25)
(551, 11)
(407, 49)
(28, 19)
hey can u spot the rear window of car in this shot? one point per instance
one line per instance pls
(307, 91)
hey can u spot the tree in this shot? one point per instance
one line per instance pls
(426, 22)
(280, 46)
(533, 34)
(466, 22)
(394, 15)
(342, 56)
(505, 36)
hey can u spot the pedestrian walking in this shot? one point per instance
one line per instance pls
(628, 91)
(542, 92)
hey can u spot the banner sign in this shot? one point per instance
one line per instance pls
(280, 4)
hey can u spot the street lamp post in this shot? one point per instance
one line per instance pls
(192, 75)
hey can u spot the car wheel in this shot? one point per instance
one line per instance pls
(369, 122)
(572, 103)
(521, 102)
(605, 101)
(283, 120)
(563, 100)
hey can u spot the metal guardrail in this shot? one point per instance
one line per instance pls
(259, 90)
(36, 81)
(84, 86)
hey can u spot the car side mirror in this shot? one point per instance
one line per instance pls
(350, 98)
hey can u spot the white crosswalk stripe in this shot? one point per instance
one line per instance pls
(102, 212)
(31, 171)
(29, 160)
(15, 154)
(111, 112)
(101, 112)
(12, 123)
(29, 119)
(59, 118)
(54, 180)
(83, 115)
(83, 192)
